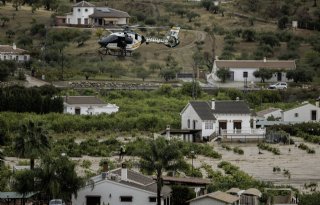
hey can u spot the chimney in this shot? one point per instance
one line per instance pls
(216, 57)
(213, 104)
(168, 132)
(265, 59)
(237, 99)
(124, 172)
(317, 102)
(14, 47)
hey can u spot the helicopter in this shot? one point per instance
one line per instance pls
(123, 43)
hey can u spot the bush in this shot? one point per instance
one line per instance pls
(238, 150)
(267, 147)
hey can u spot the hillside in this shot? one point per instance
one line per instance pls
(208, 31)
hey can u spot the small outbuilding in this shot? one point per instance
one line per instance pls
(215, 198)
(87, 105)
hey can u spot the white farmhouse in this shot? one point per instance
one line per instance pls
(306, 112)
(8, 52)
(216, 198)
(242, 70)
(85, 14)
(122, 187)
(226, 119)
(276, 113)
(87, 105)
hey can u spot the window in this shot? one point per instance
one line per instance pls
(126, 198)
(79, 10)
(313, 115)
(208, 125)
(152, 199)
(86, 10)
(25, 57)
(296, 114)
(245, 74)
(188, 123)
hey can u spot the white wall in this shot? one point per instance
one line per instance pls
(238, 75)
(208, 132)
(245, 118)
(109, 187)
(82, 14)
(13, 57)
(275, 114)
(70, 109)
(304, 114)
(190, 113)
(207, 201)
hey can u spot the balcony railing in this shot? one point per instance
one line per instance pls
(241, 132)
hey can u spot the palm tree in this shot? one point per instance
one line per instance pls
(161, 155)
(32, 141)
(58, 178)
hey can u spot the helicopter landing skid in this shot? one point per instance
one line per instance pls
(121, 53)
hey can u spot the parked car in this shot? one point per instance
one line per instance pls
(56, 202)
(279, 86)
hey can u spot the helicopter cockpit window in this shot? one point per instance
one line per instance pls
(136, 36)
(111, 39)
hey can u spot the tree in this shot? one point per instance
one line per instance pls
(269, 39)
(191, 89)
(58, 177)
(223, 74)
(23, 182)
(83, 37)
(24, 40)
(161, 155)
(142, 73)
(32, 141)
(263, 73)
(4, 20)
(168, 74)
(4, 72)
(248, 35)
(191, 15)
(154, 66)
(282, 22)
(89, 72)
(252, 5)
(310, 199)
(300, 75)
(10, 33)
(206, 4)
(99, 32)
(5, 176)
(181, 194)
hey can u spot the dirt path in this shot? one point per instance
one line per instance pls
(31, 81)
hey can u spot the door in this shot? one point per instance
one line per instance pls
(86, 22)
(279, 76)
(79, 20)
(237, 126)
(222, 126)
(313, 115)
(77, 111)
(231, 76)
(93, 200)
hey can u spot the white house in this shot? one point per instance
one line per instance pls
(229, 119)
(248, 197)
(276, 113)
(8, 52)
(85, 13)
(241, 70)
(122, 187)
(216, 198)
(87, 105)
(304, 113)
